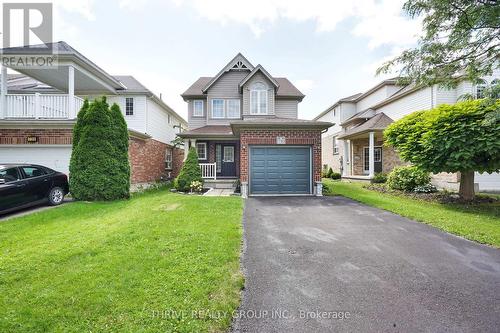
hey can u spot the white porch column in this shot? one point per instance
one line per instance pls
(3, 93)
(371, 157)
(186, 148)
(346, 158)
(71, 93)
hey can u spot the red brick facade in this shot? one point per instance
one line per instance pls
(147, 157)
(147, 160)
(57, 136)
(309, 137)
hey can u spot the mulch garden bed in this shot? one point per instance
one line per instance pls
(440, 196)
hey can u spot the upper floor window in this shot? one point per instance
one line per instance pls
(198, 108)
(233, 108)
(129, 106)
(168, 118)
(258, 98)
(217, 108)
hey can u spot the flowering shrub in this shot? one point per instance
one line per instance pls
(428, 188)
(196, 186)
(406, 178)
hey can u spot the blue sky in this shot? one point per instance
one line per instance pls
(328, 48)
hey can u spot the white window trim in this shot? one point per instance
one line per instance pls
(223, 108)
(258, 101)
(239, 108)
(204, 148)
(202, 108)
(335, 146)
(171, 158)
(133, 107)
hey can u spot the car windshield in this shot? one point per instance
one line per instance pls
(9, 175)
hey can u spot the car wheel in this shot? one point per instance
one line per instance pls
(56, 196)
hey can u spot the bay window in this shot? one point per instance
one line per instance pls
(217, 108)
(233, 108)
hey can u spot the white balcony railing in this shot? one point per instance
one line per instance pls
(208, 170)
(38, 106)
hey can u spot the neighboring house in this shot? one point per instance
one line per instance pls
(39, 106)
(355, 146)
(243, 123)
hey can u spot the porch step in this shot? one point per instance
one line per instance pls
(221, 183)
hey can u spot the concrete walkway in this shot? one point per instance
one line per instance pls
(219, 192)
(334, 265)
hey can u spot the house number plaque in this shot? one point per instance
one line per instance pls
(280, 140)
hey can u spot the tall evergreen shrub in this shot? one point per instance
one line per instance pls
(190, 172)
(99, 167)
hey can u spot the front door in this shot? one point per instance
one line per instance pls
(225, 156)
(377, 159)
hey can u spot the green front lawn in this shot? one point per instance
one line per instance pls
(479, 222)
(159, 262)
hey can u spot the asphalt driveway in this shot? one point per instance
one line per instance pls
(309, 262)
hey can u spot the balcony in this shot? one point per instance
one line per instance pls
(38, 106)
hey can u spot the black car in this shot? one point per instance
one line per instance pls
(24, 185)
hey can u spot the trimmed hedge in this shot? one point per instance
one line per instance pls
(189, 173)
(407, 178)
(99, 166)
(379, 178)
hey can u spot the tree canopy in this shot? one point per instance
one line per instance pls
(461, 39)
(450, 138)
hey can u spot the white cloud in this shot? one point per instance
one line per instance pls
(304, 85)
(132, 5)
(382, 22)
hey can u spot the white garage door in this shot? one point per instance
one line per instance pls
(488, 182)
(54, 157)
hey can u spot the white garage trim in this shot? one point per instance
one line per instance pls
(56, 157)
(311, 182)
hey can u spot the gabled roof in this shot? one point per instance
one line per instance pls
(377, 123)
(366, 114)
(285, 90)
(196, 89)
(348, 99)
(257, 69)
(239, 62)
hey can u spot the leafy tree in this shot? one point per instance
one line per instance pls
(190, 172)
(460, 40)
(450, 138)
(97, 164)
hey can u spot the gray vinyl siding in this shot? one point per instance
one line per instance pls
(286, 108)
(226, 87)
(195, 122)
(246, 94)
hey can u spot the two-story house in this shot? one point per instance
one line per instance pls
(243, 123)
(38, 109)
(355, 146)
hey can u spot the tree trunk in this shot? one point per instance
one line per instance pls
(467, 185)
